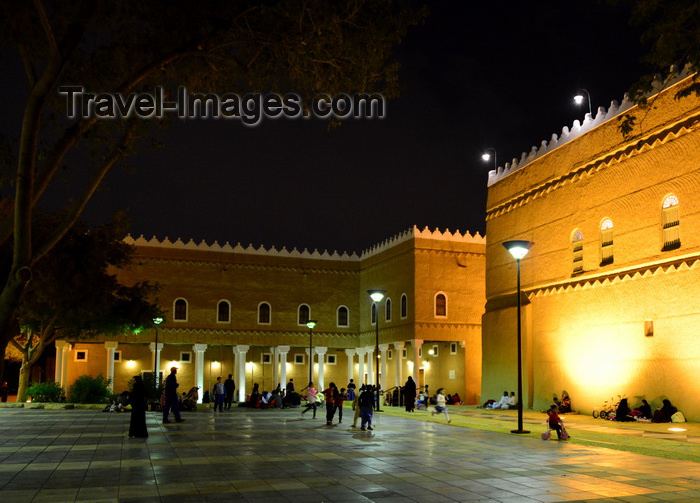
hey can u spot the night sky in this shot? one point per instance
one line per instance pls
(496, 74)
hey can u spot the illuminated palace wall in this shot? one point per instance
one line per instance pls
(611, 300)
(215, 323)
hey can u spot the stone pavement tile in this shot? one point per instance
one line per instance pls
(98, 493)
(55, 495)
(138, 491)
(22, 496)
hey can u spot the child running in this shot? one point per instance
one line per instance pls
(311, 397)
(441, 404)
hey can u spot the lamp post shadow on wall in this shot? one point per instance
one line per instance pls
(376, 296)
(518, 249)
(311, 324)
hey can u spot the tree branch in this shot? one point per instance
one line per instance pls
(48, 31)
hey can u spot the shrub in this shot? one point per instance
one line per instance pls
(87, 389)
(45, 392)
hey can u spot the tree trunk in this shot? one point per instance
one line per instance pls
(3, 347)
(24, 372)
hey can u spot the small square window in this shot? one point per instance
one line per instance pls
(453, 348)
(118, 355)
(299, 359)
(390, 354)
(266, 358)
(81, 355)
(405, 353)
(436, 350)
(186, 357)
(331, 359)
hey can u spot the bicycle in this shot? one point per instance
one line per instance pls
(608, 409)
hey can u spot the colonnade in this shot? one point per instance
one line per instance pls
(365, 362)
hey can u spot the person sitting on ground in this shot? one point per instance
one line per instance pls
(663, 415)
(565, 405)
(512, 401)
(623, 412)
(255, 397)
(644, 410)
(502, 403)
(456, 400)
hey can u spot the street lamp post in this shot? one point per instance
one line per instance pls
(487, 157)
(578, 99)
(518, 249)
(311, 324)
(376, 296)
(156, 359)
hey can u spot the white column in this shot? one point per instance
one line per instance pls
(110, 347)
(65, 361)
(351, 362)
(275, 367)
(59, 362)
(370, 365)
(155, 360)
(240, 366)
(416, 343)
(398, 348)
(199, 349)
(282, 352)
(321, 352)
(383, 348)
(361, 366)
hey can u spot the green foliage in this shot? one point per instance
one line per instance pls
(45, 392)
(87, 389)
(152, 393)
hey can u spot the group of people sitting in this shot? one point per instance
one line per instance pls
(506, 402)
(663, 414)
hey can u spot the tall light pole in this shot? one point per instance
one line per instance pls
(487, 157)
(518, 249)
(376, 296)
(311, 324)
(156, 359)
(578, 99)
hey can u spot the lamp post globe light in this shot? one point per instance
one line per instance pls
(376, 296)
(311, 324)
(518, 249)
(578, 99)
(487, 157)
(156, 359)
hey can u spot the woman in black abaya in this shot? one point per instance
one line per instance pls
(137, 397)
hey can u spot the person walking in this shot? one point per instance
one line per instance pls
(219, 394)
(311, 397)
(409, 394)
(339, 404)
(365, 403)
(441, 405)
(351, 389)
(229, 389)
(137, 399)
(172, 400)
(356, 406)
(331, 394)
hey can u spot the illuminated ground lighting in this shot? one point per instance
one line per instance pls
(677, 429)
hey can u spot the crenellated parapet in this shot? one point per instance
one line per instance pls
(238, 248)
(426, 233)
(579, 128)
(407, 235)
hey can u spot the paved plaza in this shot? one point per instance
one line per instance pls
(275, 456)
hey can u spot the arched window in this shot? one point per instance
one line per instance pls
(303, 314)
(577, 250)
(670, 223)
(223, 312)
(440, 305)
(606, 242)
(404, 306)
(180, 310)
(374, 313)
(264, 313)
(387, 310)
(343, 317)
